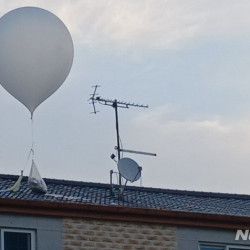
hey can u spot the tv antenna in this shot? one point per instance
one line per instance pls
(92, 98)
(124, 164)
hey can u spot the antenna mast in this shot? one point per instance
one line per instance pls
(116, 104)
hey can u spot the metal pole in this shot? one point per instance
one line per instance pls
(111, 182)
(117, 136)
(137, 152)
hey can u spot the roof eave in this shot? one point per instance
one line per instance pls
(105, 212)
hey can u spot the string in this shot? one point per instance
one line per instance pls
(27, 159)
(16, 185)
(31, 152)
(32, 137)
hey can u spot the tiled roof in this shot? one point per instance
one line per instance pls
(134, 197)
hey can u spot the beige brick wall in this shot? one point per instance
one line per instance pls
(96, 234)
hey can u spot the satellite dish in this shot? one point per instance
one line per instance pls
(36, 54)
(129, 169)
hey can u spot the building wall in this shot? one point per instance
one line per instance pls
(97, 234)
(190, 238)
(48, 231)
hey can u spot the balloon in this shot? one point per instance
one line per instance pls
(36, 54)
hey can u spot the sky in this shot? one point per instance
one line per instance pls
(188, 60)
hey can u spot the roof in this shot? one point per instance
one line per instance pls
(76, 192)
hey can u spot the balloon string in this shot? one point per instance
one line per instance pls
(32, 137)
(27, 159)
(31, 152)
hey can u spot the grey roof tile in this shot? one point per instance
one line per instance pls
(136, 197)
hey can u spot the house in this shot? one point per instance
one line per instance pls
(77, 215)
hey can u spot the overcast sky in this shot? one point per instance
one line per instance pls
(188, 60)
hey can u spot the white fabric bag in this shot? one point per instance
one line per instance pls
(35, 181)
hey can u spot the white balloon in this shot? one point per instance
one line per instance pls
(36, 54)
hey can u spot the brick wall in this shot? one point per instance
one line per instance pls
(96, 234)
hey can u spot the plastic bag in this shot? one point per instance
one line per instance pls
(35, 181)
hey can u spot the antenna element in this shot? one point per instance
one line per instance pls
(126, 163)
